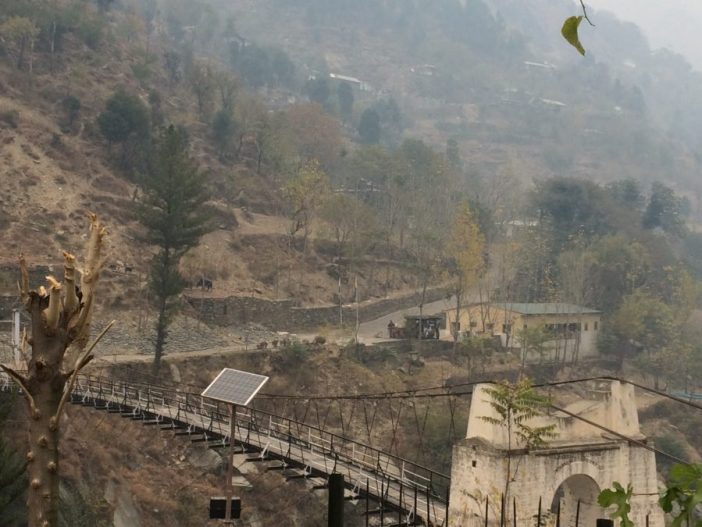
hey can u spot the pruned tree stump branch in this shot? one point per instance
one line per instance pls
(60, 314)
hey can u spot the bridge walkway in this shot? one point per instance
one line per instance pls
(418, 493)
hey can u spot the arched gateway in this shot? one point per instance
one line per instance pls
(569, 472)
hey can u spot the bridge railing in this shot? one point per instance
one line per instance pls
(268, 430)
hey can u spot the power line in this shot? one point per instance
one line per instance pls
(657, 392)
(620, 435)
(447, 391)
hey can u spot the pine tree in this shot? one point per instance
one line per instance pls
(173, 213)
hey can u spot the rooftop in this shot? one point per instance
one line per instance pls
(552, 308)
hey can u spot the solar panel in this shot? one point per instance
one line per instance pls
(235, 386)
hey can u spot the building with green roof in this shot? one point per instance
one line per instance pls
(573, 329)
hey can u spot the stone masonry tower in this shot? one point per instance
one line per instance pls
(572, 468)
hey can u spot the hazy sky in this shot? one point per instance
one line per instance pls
(675, 24)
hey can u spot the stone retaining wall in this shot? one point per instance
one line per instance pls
(284, 315)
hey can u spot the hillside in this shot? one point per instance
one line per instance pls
(457, 74)
(57, 167)
(505, 85)
(345, 159)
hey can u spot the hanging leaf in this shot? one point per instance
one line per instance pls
(570, 32)
(619, 498)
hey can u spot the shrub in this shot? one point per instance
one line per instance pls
(294, 354)
(90, 30)
(124, 115)
(223, 128)
(10, 118)
(670, 445)
(71, 105)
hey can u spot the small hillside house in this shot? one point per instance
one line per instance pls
(574, 328)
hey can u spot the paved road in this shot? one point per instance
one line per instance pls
(377, 330)
(369, 332)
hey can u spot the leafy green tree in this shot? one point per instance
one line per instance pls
(390, 121)
(466, 258)
(573, 206)
(305, 192)
(227, 89)
(626, 193)
(124, 117)
(172, 63)
(282, 68)
(318, 91)
(453, 155)
(125, 121)
(683, 495)
(223, 130)
(313, 133)
(344, 93)
(155, 104)
(253, 63)
(12, 477)
(172, 211)
(645, 326)
(369, 127)
(202, 84)
(516, 405)
(665, 210)
(17, 35)
(71, 105)
(620, 498)
(616, 267)
(534, 341)
(350, 222)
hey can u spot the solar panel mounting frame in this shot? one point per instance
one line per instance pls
(238, 376)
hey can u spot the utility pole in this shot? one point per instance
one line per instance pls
(341, 304)
(234, 388)
(355, 286)
(16, 345)
(230, 465)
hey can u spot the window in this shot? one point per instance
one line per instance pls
(489, 326)
(525, 326)
(473, 324)
(596, 324)
(585, 326)
(506, 328)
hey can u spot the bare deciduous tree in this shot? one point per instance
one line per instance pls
(60, 317)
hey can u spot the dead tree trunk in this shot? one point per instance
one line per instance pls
(60, 318)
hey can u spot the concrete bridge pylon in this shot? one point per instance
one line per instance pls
(572, 468)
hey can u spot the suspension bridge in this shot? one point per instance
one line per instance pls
(403, 492)
(411, 493)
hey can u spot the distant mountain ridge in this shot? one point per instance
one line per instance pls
(674, 24)
(623, 110)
